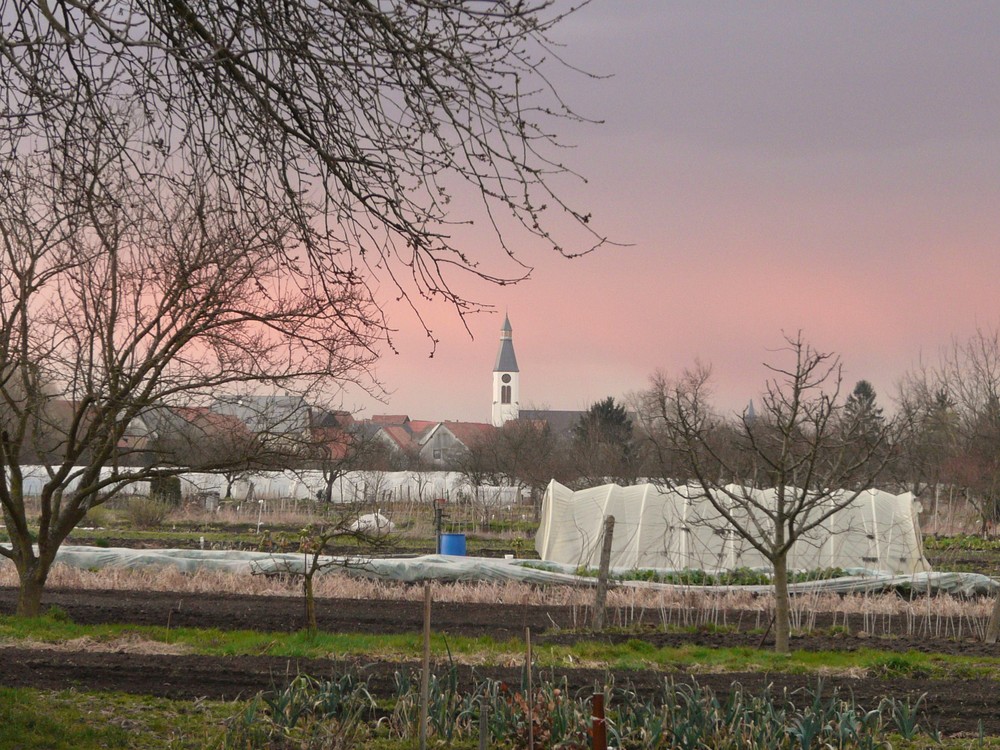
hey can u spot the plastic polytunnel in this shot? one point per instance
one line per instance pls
(680, 529)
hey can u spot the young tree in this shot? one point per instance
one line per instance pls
(338, 525)
(800, 444)
(198, 198)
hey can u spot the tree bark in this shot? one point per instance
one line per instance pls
(307, 585)
(782, 621)
(29, 595)
(601, 594)
(993, 629)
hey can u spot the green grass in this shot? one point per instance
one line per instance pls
(71, 720)
(632, 654)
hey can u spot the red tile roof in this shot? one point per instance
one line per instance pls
(394, 419)
(399, 435)
(469, 432)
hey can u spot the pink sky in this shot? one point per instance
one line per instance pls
(773, 166)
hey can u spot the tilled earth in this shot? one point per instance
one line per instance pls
(954, 706)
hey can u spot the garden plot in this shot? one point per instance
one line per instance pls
(453, 568)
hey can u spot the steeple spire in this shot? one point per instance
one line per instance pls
(506, 361)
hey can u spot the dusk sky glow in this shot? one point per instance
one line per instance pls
(830, 167)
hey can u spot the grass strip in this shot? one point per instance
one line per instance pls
(71, 720)
(633, 654)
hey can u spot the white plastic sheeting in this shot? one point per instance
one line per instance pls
(353, 486)
(373, 523)
(451, 568)
(680, 530)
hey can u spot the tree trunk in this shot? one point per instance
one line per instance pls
(31, 586)
(307, 586)
(993, 628)
(782, 621)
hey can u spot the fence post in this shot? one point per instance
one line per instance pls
(600, 728)
(531, 694)
(601, 596)
(425, 677)
(484, 726)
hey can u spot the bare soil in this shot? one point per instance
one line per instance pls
(954, 706)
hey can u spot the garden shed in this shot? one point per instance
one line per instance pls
(679, 529)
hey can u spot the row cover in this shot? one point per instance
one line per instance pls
(451, 568)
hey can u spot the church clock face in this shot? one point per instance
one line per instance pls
(505, 378)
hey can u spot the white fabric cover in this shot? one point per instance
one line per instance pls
(678, 530)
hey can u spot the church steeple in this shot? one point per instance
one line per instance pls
(505, 378)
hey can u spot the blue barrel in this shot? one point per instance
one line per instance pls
(453, 544)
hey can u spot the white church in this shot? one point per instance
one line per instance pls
(506, 385)
(507, 391)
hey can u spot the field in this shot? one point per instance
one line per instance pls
(206, 644)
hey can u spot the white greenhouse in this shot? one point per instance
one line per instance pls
(675, 529)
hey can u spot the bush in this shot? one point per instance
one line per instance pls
(99, 517)
(146, 512)
(166, 490)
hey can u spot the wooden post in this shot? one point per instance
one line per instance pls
(601, 596)
(484, 725)
(993, 629)
(425, 672)
(531, 692)
(600, 728)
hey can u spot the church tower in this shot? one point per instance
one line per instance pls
(506, 398)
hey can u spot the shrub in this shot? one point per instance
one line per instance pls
(166, 490)
(99, 517)
(146, 512)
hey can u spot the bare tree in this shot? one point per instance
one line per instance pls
(339, 451)
(339, 525)
(798, 444)
(532, 455)
(928, 446)
(523, 455)
(358, 121)
(959, 403)
(129, 307)
(197, 438)
(198, 198)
